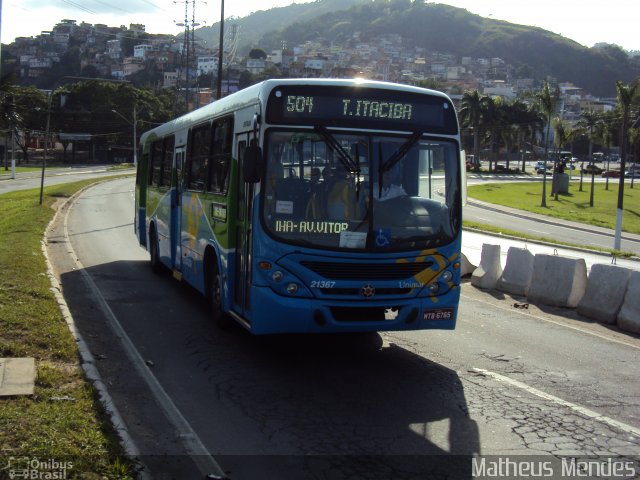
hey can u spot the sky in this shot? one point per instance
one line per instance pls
(586, 21)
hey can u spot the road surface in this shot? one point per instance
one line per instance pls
(198, 400)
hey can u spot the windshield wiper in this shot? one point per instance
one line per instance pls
(333, 144)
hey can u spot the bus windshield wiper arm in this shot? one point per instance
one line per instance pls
(333, 144)
(400, 153)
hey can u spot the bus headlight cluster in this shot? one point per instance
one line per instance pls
(280, 280)
(439, 285)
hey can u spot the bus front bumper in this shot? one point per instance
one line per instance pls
(273, 313)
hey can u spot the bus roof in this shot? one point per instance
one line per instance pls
(260, 91)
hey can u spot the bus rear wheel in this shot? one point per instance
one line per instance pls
(220, 318)
(154, 258)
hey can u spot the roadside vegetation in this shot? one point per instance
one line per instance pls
(573, 206)
(64, 419)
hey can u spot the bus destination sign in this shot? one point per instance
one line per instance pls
(368, 108)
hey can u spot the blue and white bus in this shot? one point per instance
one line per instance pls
(310, 205)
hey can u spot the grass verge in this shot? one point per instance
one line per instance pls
(64, 419)
(573, 206)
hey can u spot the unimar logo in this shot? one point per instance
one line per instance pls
(36, 469)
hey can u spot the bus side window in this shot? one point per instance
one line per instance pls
(167, 161)
(199, 157)
(156, 163)
(221, 154)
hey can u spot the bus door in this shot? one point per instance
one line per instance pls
(176, 209)
(242, 290)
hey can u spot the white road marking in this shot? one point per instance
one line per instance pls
(190, 440)
(577, 408)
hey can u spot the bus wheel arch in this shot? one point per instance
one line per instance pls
(213, 289)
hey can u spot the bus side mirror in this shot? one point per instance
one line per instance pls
(252, 165)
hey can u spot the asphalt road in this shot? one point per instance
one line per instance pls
(199, 400)
(57, 176)
(540, 226)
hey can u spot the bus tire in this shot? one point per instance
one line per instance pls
(214, 296)
(154, 257)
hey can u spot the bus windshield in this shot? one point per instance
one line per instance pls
(360, 191)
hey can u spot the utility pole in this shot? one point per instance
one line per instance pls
(220, 49)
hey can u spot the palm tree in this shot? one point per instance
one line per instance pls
(589, 122)
(491, 114)
(516, 118)
(561, 139)
(625, 96)
(533, 126)
(548, 101)
(470, 116)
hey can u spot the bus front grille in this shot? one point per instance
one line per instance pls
(366, 271)
(357, 291)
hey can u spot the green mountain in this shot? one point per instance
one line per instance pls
(534, 52)
(252, 27)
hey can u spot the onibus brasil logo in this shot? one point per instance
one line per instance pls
(36, 469)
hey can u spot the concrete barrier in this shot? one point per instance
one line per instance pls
(466, 267)
(557, 281)
(605, 291)
(516, 277)
(487, 274)
(629, 316)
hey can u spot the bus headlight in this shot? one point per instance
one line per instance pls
(277, 276)
(292, 288)
(447, 276)
(433, 288)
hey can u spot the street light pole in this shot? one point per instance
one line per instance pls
(135, 136)
(220, 50)
(135, 131)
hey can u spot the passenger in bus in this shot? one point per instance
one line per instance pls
(315, 205)
(340, 198)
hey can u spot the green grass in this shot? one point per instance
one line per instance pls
(573, 206)
(72, 429)
(34, 168)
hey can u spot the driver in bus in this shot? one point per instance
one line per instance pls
(391, 186)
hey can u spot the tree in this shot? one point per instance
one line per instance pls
(22, 113)
(492, 115)
(625, 94)
(32, 105)
(589, 120)
(561, 139)
(257, 53)
(548, 102)
(470, 116)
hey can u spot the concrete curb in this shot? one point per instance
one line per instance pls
(88, 361)
(517, 273)
(487, 274)
(605, 294)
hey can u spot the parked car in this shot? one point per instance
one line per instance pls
(541, 164)
(632, 174)
(541, 170)
(591, 168)
(611, 173)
